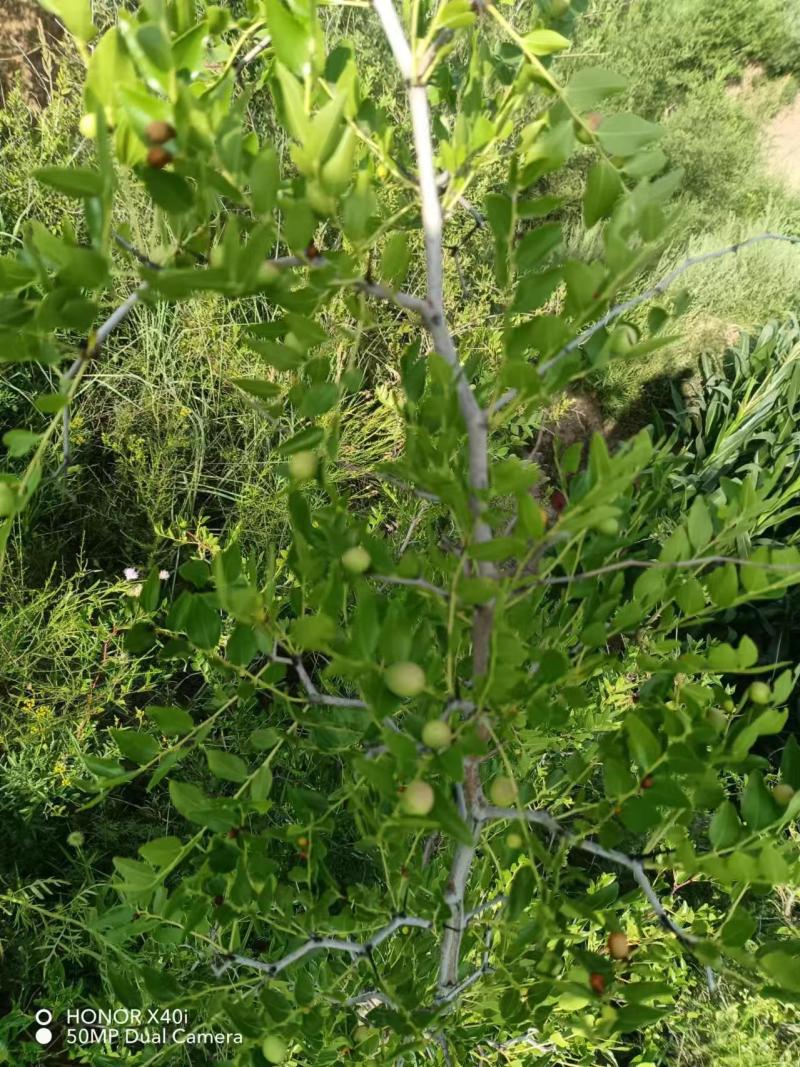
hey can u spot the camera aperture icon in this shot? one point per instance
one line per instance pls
(44, 1035)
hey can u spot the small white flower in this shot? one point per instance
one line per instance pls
(163, 575)
(131, 574)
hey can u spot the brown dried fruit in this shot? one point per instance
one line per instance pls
(159, 132)
(618, 946)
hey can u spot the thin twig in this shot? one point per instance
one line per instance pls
(417, 583)
(87, 353)
(136, 253)
(252, 55)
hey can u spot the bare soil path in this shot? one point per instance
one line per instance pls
(782, 144)
(25, 29)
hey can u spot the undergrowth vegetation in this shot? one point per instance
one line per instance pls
(398, 632)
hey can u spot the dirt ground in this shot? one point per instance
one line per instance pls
(24, 28)
(782, 143)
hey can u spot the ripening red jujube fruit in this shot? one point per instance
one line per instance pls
(158, 157)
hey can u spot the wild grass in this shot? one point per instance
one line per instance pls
(712, 75)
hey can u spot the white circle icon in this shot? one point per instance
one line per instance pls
(43, 1016)
(43, 1035)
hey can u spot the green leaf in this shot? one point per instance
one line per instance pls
(242, 645)
(738, 928)
(536, 244)
(545, 42)
(72, 181)
(18, 442)
(75, 14)
(123, 987)
(173, 722)
(495, 550)
(314, 631)
(625, 135)
(768, 722)
(264, 390)
(303, 440)
(783, 968)
(169, 191)
(298, 224)
(150, 593)
(522, 892)
(773, 866)
(726, 827)
(84, 268)
(265, 180)
(723, 585)
(723, 657)
(293, 104)
(319, 398)
(195, 571)
(643, 743)
(141, 108)
(14, 274)
(202, 624)
(325, 131)
(591, 85)
(189, 48)
(758, 807)
(413, 370)
(603, 188)
(226, 765)
(276, 354)
(690, 597)
(533, 290)
(110, 67)
(395, 258)
(261, 784)
(136, 876)
(538, 208)
(139, 747)
(748, 653)
(50, 403)
(453, 15)
(265, 737)
(291, 40)
(195, 806)
(161, 850)
(499, 215)
(155, 45)
(700, 527)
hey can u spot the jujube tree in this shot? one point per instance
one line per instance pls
(470, 842)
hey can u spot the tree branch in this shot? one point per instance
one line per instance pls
(628, 305)
(356, 949)
(314, 695)
(661, 564)
(540, 817)
(450, 952)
